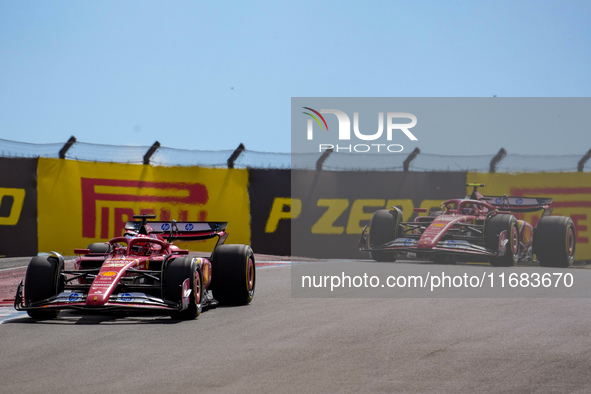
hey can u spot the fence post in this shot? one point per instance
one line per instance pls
(235, 155)
(583, 160)
(150, 152)
(67, 146)
(497, 159)
(410, 158)
(322, 159)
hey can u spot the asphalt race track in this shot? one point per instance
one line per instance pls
(282, 344)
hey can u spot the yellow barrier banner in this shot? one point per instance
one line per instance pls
(82, 202)
(570, 191)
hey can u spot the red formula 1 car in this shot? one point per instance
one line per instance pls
(142, 271)
(476, 228)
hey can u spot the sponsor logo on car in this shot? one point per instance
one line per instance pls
(74, 297)
(125, 297)
(446, 218)
(108, 273)
(189, 226)
(115, 264)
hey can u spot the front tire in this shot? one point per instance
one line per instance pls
(383, 229)
(555, 241)
(233, 274)
(176, 272)
(493, 229)
(42, 281)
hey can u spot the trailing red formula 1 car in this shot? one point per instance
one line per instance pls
(142, 271)
(476, 228)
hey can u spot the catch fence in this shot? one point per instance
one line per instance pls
(417, 161)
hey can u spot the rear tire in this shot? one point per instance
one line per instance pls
(99, 248)
(233, 274)
(96, 249)
(177, 270)
(42, 281)
(492, 230)
(555, 241)
(382, 229)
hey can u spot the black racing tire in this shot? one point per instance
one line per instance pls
(42, 281)
(555, 241)
(96, 249)
(492, 230)
(382, 229)
(233, 274)
(176, 271)
(99, 248)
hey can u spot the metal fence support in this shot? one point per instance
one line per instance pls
(410, 158)
(67, 146)
(235, 155)
(497, 159)
(583, 160)
(150, 152)
(322, 159)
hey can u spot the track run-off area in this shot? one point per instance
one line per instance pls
(286, 343)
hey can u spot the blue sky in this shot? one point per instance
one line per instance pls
(210, 75)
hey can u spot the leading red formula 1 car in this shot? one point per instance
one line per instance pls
(476, 228)
(142, 271)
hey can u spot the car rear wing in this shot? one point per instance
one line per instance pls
(519, 204)
(183, 231)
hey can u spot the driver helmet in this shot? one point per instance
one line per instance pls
(141, 248)
(468, 209)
